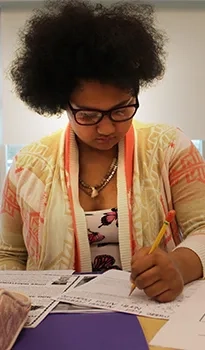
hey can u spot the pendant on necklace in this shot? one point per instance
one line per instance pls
(94, 192)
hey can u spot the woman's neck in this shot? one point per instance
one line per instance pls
(86, 151)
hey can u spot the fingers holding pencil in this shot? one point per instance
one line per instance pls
(154, 271)
(141, 262)
(157, 275)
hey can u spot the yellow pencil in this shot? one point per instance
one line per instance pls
(170, 216)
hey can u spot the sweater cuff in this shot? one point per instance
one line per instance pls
(197, 244)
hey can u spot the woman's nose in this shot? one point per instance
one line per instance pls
(106, 126)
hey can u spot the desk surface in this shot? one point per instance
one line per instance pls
(150, 327)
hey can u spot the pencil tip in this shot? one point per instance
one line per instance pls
(132, 289)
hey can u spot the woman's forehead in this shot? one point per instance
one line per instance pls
(99, 96)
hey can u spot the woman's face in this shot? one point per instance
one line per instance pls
(94, 95)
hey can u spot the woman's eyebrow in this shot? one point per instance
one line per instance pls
(120, 104)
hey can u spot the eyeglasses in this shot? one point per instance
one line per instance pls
(92, 116)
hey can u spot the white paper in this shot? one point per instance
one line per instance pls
(186, 328)
(34, 277)
(71, 308)
(110, 291)
(41, 286)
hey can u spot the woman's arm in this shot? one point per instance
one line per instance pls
(189, 264)
(187, 182)
(162, 275)
(13, 254)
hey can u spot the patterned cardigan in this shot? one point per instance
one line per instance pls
(43, 226)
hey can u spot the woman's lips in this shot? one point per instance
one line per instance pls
(105, 139)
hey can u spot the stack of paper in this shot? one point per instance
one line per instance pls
(110, 291)
(41, 286)
(63, 292)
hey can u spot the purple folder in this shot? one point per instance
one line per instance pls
(105, 331)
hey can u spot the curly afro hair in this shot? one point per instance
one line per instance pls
(68, 41)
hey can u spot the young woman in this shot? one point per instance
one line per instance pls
(94, 196)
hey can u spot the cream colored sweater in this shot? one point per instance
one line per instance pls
(42, 225)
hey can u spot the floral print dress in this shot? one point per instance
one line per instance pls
(102, 226)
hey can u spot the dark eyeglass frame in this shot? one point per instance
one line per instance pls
(104, 113)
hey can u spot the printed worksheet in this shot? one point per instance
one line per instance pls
(41, 286)
(35, 277)
(186, 328)
(62, 307)
(110, 291)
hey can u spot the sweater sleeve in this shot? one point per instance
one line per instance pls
(187, 180)
(13, 254)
